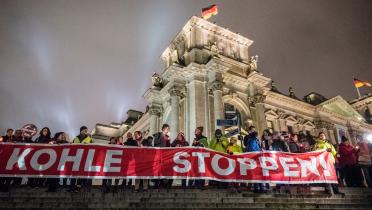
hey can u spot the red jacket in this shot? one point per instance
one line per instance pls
(348, 155)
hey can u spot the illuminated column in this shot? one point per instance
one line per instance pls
(175, 95)
(257, 102)
(331, 133)
(154, 119)
(197, 93)
(217, 102)
(276, 125)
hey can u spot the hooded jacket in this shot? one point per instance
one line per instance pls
(348, 155)
(220, 144)
(234, 148)
(324, 144)
(82, 139)
(253, 144)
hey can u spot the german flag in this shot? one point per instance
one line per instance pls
(209, 11)
(359, 83)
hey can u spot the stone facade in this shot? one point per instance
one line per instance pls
(208, 67)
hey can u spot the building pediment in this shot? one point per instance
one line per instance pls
(291, 119)
(340, 106)
(271, 114)
(309, 124)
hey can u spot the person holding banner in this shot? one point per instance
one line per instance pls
(5, 181)
(44, 138)
(127, 183)
(266, 139)
(234, 148)
(323, 144)
(199, 141)
(218, 143)
(253, 145)
(82, 138)
(9, 135)
(61, 138)
(18, 136)
(279, 145)
(180, 141)
(106, 183)
(145, 182)
(162, 139)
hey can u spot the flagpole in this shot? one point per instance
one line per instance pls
(359, 96)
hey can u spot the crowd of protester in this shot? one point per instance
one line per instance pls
(353, 162)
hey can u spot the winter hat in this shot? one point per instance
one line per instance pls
(83, 128)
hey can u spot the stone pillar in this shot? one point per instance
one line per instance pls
(353, 134)
(257, 102)
(331, 133)
(175, 95)
(197, 92)
(282, 126)
(217, 102)
(154, 112)
(276, 125)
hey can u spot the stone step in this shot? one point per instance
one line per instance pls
(184, 203)
(243, 205)
(25, 198)
(37, 201)
(131, 196)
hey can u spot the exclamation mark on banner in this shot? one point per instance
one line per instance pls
(324, 165)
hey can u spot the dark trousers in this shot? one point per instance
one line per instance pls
(218, 184)
(367, 174)
(52, 184)
(353, 176)
(183, 183)
(32, 182)
(258, 186)
(332, 187)
(64, 181)
(163, 183)
(5, 183)
(199, 183)
(73, 183)
(127, 182)
(41, 182)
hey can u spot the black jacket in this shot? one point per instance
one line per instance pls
(131, 142)
(279, 145)
(43, 140)
(178, 143)
(147, 143)
(160, 141)
(293, 147)
(7, 138)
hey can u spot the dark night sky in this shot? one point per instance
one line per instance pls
(72, 62)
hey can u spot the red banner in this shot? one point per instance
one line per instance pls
(101, 161)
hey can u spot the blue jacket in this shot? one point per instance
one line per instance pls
(253, 145)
